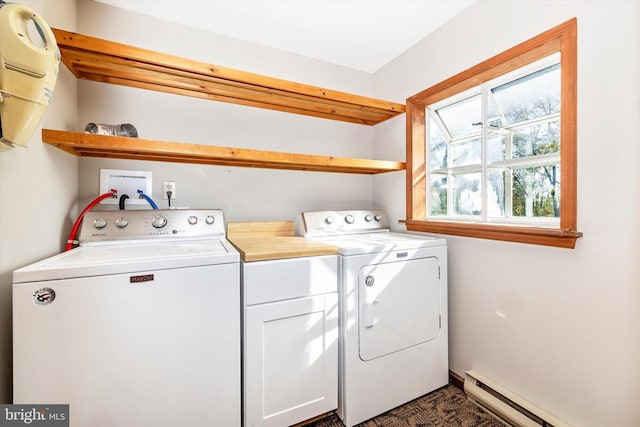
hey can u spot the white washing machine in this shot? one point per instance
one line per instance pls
(392, 291)
(139, 326)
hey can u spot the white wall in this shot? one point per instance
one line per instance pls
(558, 327)
(38, 190)
(243, 193)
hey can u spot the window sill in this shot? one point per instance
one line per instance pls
(518, 234)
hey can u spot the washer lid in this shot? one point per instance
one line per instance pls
(86, 261)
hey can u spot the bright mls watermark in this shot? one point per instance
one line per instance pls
(34, 415)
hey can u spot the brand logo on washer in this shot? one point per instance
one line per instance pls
(141, 278)
(44, 296)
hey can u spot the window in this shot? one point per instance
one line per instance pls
(492, 150)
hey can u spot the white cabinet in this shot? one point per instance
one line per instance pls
(290, 348)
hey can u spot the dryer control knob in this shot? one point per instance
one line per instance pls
(158, 221)
(349, 219)
(210, 219)
(122, 222)
(368, 218)
(378, 218)
(99, 223)
(193, 220)
(329, 220)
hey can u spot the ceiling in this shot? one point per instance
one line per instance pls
(360, 34)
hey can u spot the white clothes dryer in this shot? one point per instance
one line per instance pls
(139, 326)
(393, 341)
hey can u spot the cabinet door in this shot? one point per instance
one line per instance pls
(290, 360)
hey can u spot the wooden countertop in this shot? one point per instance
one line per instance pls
(270, 240)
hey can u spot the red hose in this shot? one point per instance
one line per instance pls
(72, 236)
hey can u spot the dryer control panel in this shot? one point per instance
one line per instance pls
(109, 226)
(334, 223)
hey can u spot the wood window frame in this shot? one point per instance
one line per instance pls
(563, 39)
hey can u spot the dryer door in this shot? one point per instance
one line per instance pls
(398, 306)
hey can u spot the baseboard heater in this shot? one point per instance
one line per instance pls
(507, 406)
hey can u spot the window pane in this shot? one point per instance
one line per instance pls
(496, 144)
(438, 194)
(467, 199)
(437, 147)
(466, 153)
(496, 192)
(536, 192)
(495, 120)
(462, 118)
(537, 139)
(530, 97)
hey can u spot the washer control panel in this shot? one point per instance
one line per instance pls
(107, 226)
(331, 223)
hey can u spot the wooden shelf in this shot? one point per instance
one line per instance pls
(109, 62)
(92, 145)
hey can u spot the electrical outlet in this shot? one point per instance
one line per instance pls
(168, 186)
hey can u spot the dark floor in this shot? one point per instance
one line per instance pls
(447, 406)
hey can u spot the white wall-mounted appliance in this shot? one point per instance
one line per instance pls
(29, 65)
(392, 291)
(138, 326)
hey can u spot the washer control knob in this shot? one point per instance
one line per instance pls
(158, 221)
(369, 281)
(193, 220)
(349, 219)
(378, 218)
(368, 218)
(99, 223)
(329, 220)
(122, 222)
(210, 219)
